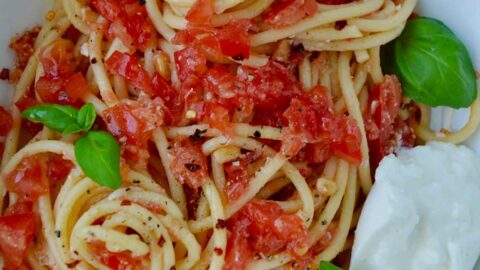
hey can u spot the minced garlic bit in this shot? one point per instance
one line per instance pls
(160, 62)
(191, 114)
(50, 15)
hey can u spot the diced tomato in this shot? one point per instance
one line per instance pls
(109, 9)
(216, 43)
(23, 46)
(188, 164)
(201, 12)
(6, 121)
(272, 86)
(288, 12)
(125, 125)
(218, 117)
(60, 84)
(58, 168)
(57, 59)
(131, 123)
(263, 227)
(21, 206)
(76, 86)
(219, 81)
(16, 232)
(384, 106)
(174, 105)
(163, 89)
(190, 64)
(123, 260)
(129, 22)
(51, 90)
(140, 28)
(25, 102)
(127, 65)
(234, 40)
(118, 29)
(311, 120)
(237, 175)
(28, 179)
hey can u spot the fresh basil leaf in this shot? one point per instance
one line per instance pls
(55, 117)
(98, 154)
(72, 129)
(328, 266)
(433, 65)
(86, 116)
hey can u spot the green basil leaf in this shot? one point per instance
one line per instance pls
(72, 129)
(328, 266)
(98, 154)
(433, 65)
(55, 117)
(86, 116)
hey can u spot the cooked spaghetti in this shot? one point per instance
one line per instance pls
(248, 131)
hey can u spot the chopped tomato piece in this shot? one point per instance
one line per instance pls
(16, 232)
(201, 12)
(188, 164)
(109, 9)
(23, 47)
(21, 206)
(123, 260)
(218, 117)
(58, 168)
(237, 175)
(272, 86)
(234, 40)
(190, 64)
(129, 22)
(60, 84)
(127, 65)
(125, 125)
(28, 179)
(76, 86)
(57, 59)
(311, 120)
(263, 227)
(25, 102)
(131, 123)
(6, 121)
(385, 99)
(288, 12)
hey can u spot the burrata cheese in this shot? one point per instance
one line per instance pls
(422, 213)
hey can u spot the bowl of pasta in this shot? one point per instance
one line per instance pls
(239, 134)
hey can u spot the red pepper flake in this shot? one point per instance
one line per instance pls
(5, 74)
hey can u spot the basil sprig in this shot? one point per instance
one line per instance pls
(432, 63)
(328, 266)
(63, 119)
(97, 152)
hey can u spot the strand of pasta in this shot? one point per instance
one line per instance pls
(219, 232)
(348, 206)
(425, 133)
(363, 43)
(176, 189)
(98, 66)
(321, 18)
(353, 107)
(158, 20)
